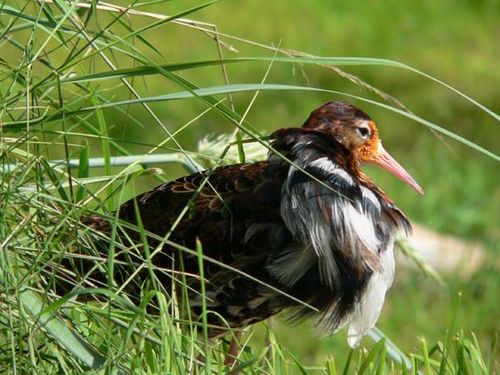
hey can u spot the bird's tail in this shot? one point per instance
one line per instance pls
(83, 265)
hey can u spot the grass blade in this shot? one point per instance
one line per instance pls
(61, 333)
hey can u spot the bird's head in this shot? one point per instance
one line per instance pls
(358, 133)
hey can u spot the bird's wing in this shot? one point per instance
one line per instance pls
(210, 205)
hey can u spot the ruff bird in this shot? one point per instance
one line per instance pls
(305, 231)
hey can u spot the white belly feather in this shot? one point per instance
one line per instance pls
(367, 310)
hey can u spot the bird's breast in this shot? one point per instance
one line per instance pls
(343, 234)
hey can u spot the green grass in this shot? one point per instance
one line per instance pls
(50, 51)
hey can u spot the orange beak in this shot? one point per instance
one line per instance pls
(386, 161)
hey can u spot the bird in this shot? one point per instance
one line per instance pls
(305, 232)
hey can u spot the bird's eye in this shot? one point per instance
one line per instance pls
(363, 132)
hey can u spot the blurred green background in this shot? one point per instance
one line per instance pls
(455, 41)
